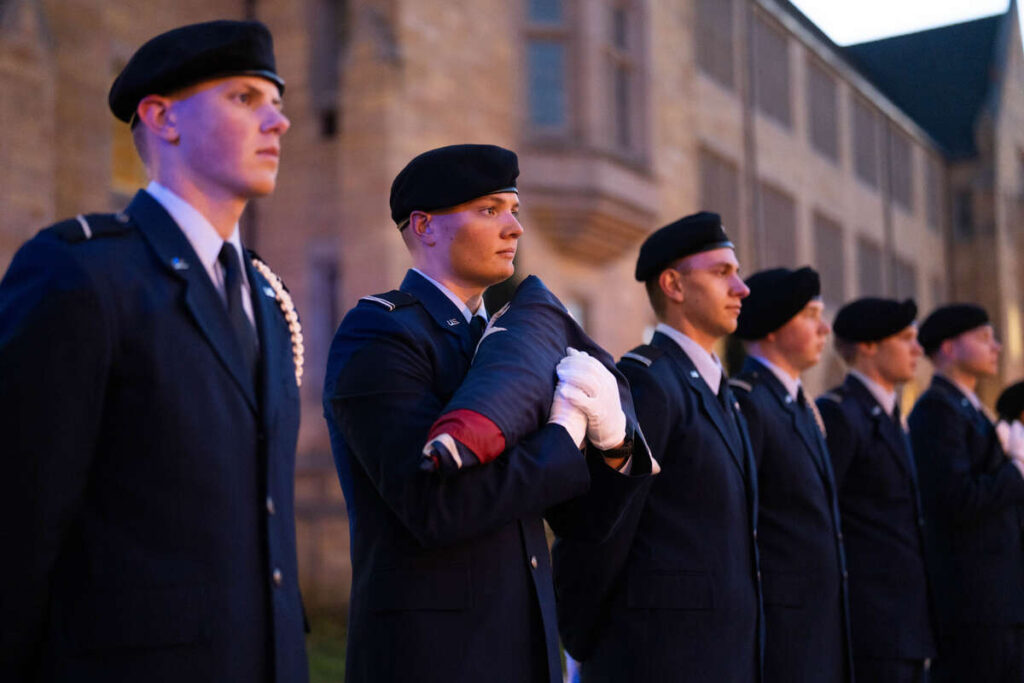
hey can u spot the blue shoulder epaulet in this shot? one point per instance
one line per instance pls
(835, 395)
(645, 354)
(396, 298)
(740, 384)
(83, 228)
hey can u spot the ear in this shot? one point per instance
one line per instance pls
(154, 112)
(421, 229)
(869, 349)
(671, 283)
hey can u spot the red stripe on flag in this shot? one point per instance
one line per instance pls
(473, 430)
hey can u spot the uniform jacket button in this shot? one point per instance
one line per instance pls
(270, 506)
(278, 578)
(533, 561)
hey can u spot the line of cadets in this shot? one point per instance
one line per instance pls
(783, 540)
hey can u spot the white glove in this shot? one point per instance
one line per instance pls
(569, 416)
(1015, 442)
(592, 389)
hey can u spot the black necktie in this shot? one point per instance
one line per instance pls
(244, 332)
(476, 328)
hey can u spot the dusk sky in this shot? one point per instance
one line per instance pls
(856, 21)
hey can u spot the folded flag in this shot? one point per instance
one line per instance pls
(507, 393)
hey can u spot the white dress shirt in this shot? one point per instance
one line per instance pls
(790, 383)
(459, 303)
(886, 399)
(707, 364)
(205, 241)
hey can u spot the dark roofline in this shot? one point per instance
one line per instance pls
(942, 27)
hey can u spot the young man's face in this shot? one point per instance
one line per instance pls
(897, 356)
(802, 339)
(712, 291)
(976, 351)
(230, 136)
(476, 241)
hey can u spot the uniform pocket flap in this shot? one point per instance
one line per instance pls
(434, 589)
(671, 590)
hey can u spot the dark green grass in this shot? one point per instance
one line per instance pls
(326, 648)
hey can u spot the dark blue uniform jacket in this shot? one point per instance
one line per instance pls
(451, 574)
(141, 464)
(799, 535)
(882, 525)
(680, 590)
(972, 495)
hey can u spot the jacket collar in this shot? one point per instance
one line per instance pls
(201, 300)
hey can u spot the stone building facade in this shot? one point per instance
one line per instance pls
(626, 113)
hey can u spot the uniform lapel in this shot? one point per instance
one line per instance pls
(445, 313)
(789, 406)
(883, 423)
(200, 297)
(708, 401)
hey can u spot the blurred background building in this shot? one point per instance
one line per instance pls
(895, 167)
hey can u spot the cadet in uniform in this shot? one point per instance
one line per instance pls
(451, 574)
(805, 599)
(878, 491)
(972, 494)
(150, 405)
(685, 604)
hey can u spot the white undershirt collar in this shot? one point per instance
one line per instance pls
(707, 364)
(459, 303)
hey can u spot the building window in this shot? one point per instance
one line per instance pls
(963, 214)
(938, 287)
(714, 38)
(322, 312)
(777, 225)
(904, 279)
(933, 192)
(547, 66)
(829, 260)
(869, 268)
(326, 33)
(902, 164)
(865, 141)
(822, 110)
(771, 71)
(623, 61)
(720, 189)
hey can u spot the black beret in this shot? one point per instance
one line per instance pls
(1011, 402)
(449, 176)
(689, 235)
(191, 54)
(947, 322)
(776, 295)
(873, 319)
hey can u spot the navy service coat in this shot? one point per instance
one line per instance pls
(882, 524)
(799, 535)
(451, 574)
(680, 592)
(146, 500)
(972, 495)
